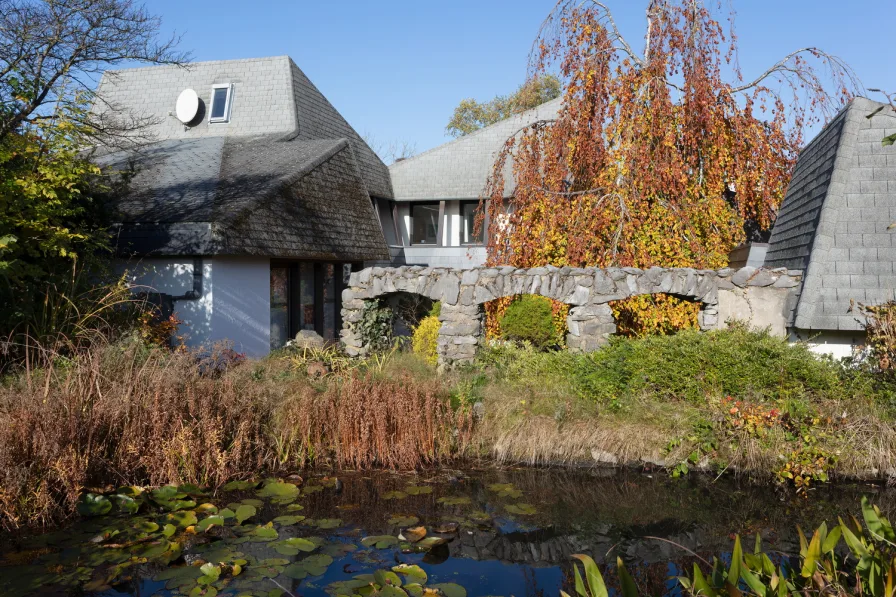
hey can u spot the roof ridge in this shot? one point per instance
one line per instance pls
(475, 133)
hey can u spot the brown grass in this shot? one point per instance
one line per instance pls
(125, 414)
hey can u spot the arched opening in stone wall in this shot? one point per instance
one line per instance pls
(534, 318)
(655, 314)
(407, 310)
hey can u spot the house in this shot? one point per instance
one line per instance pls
(430, 219)
(834, 225)
(251, 205)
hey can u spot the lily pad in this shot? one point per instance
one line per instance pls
(450, 589)
(205, 523)
(252, 502)
(207, 509)
(521, 509)
(325, 523)
(227, 513)
(414, 534)
(125, 503)
(182, 519)
(314, 565)
(414, 573)
(301, 544)
(244, 513)
(403, 521)
(454, 501)
(394, 495)
(505, 490)
(379, 541)
(91, 504)
(264, 533)
(279, 492)
(386, 578)
(239, 485)
(294, 507)
(418, 489)
(146, 526)
(288, 520)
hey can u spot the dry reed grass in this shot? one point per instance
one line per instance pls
(126, 414)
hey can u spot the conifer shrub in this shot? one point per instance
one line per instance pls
(425, 339)
(529, 318)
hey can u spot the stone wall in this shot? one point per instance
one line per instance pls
(762, 298)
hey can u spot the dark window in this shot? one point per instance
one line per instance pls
(468, 234)
(424, 223)
(305, 296)
(279, 306)
(220, 104)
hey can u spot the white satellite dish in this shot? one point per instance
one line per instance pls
(187, 106)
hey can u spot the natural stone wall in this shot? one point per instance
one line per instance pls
(758, 296)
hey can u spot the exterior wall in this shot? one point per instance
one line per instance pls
(454, 257)
(242, 304)
(839, 345)
(235, 302)
(174, 276)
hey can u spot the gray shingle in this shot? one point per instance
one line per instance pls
(848, 196)
(461, 168)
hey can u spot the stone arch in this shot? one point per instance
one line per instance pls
(586, 290)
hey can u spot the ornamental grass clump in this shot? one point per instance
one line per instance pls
(133, 414)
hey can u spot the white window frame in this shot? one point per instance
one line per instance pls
(227, 102)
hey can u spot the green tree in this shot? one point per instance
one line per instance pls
(470, 115)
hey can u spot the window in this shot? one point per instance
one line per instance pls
(468, 234)
(424, 223)
(221, 99)
(306, 296)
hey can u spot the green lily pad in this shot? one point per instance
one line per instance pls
(403, 521)
(167, 493)
(413, 589)
(505, 490)
(191, 489)
(294, 507)
(288, 520)
(279, 492)
(125, 503)
(394, 495)
(145, 526)
(301, 544)
(521, 509)
(264, 533)
(205, 523)
(454, 501)
(386, 578)
(253, 502)
(239, 485)
(379, 541)
(244, 513)
(182, 519)
(168, 530)
(418, 489)
(450, 589)
(314, 565)
(91, 504)
(311, 488)
(414, 573)
(325, 523)
(178, 577)
(207, 509)
(227, 513)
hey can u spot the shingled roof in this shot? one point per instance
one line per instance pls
(245, 196)
(460, 169)
(834, 220)
(286, 176)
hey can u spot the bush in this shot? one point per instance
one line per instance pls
(529, 318)
(425, 339)
(690, 365)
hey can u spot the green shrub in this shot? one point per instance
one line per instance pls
(376, 326)
(425, 339)
(529, 318)
(690, 365)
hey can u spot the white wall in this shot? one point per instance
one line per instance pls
(175, 276)
(235, 302)
(839, 345)
(242, 304)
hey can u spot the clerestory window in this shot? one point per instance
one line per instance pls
(221, 100)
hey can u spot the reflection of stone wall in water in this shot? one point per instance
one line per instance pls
(759, 297)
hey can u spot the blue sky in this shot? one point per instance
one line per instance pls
(396, 69)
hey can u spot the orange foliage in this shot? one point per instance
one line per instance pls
(654, 159)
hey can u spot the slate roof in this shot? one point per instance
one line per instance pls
(270, 96)
(460, 169)
(245, 196)
(833, 222)
(192, 191)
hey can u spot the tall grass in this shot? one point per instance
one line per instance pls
(121, 414)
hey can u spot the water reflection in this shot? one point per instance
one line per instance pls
(505, 532)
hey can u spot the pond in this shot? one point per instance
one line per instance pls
(471, 532)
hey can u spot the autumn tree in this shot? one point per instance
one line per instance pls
(658, 157)
(471, 115)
